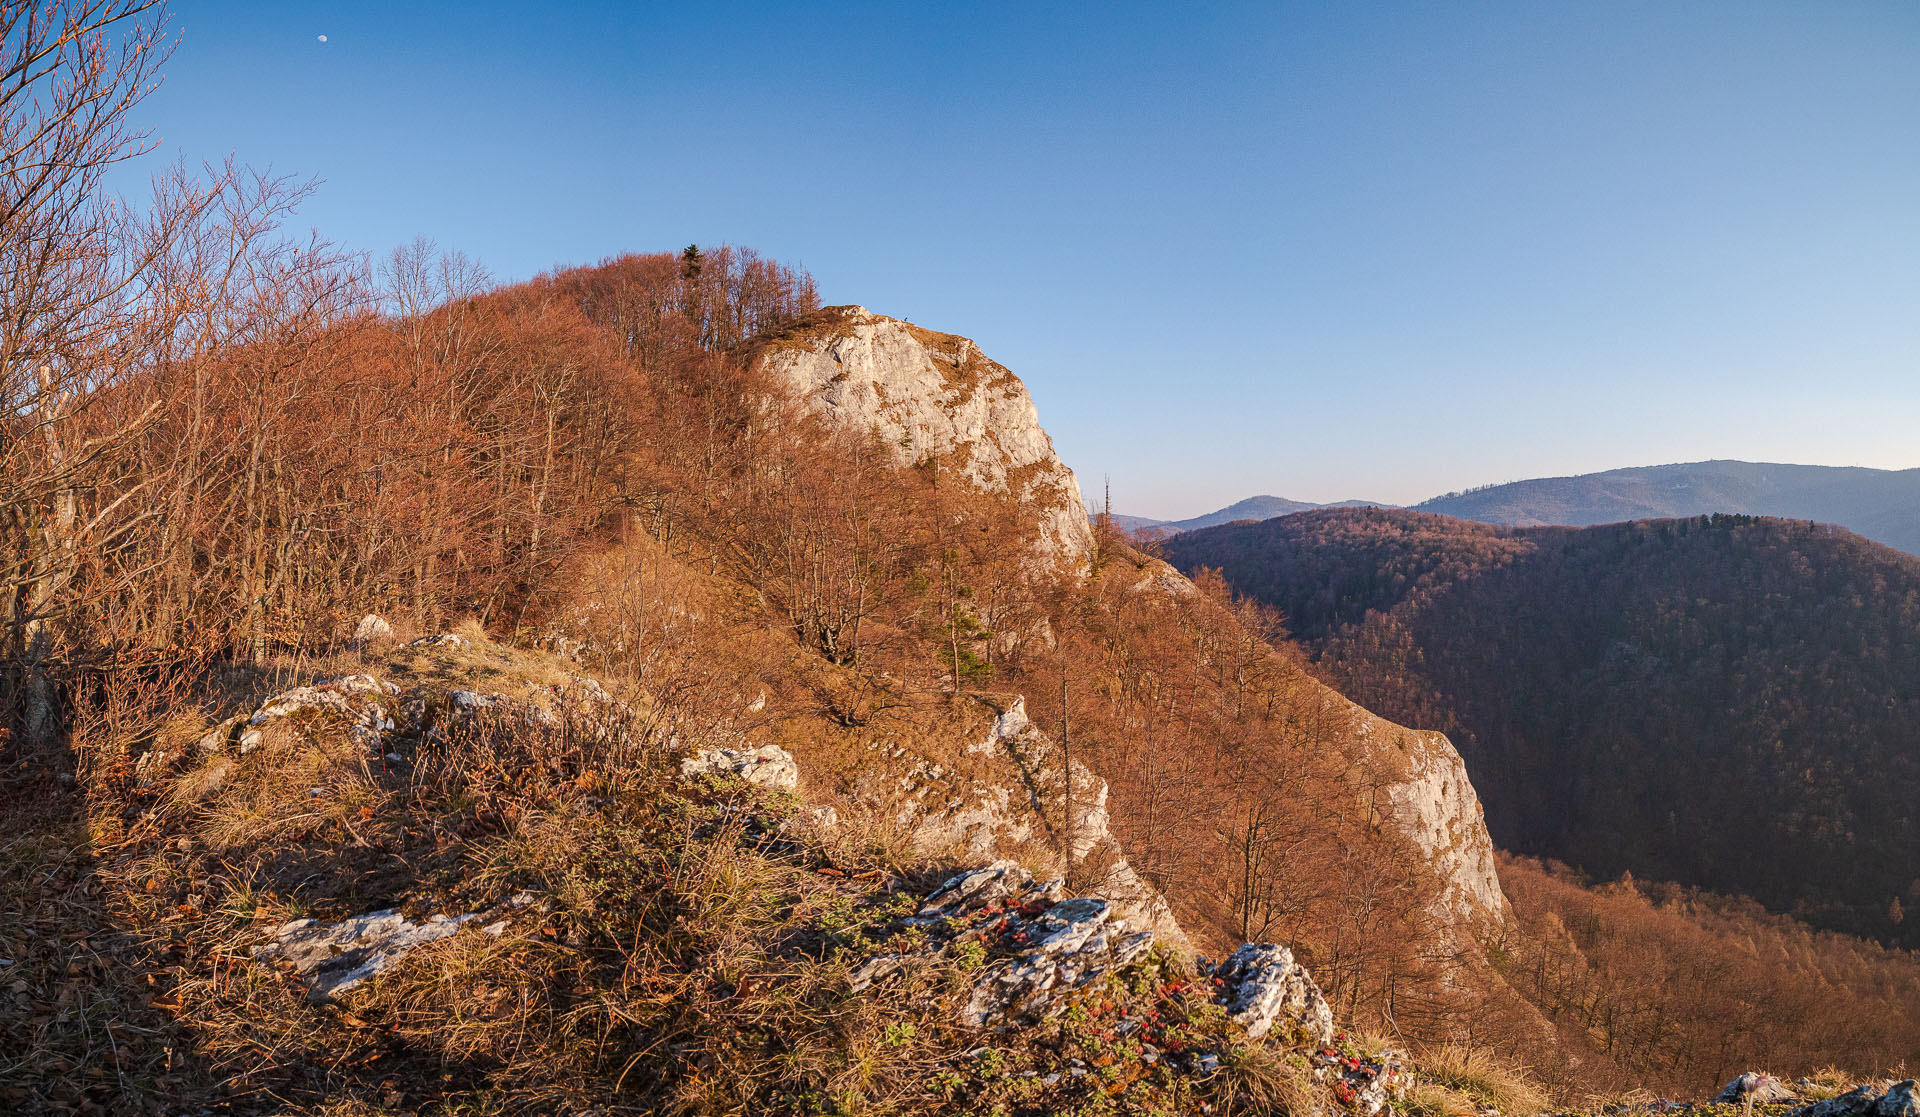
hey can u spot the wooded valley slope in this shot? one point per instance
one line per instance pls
(1729, 701)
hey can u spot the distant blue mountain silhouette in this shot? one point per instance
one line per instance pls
(1881, 504)
(1252, 508)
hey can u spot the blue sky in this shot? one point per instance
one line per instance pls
(1324, 251)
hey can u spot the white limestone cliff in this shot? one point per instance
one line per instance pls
(1435, 806)
(934, 396)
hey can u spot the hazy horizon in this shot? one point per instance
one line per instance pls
(1093, 496)
(1336, 252)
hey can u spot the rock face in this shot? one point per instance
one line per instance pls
(768, 766)
(1262, 985)
(1436, 807)
(934, 396)
(1018, 803)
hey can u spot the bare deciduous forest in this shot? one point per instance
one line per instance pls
(1724, 701)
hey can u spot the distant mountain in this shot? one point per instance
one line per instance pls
(1142, 524)
(1881, 504)
(1727, 701)
(1252, 508)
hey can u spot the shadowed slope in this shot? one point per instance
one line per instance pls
(1730, 702)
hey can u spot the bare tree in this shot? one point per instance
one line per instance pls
(71, 261)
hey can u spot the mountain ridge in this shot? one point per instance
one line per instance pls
(1880, 504)
(1263, 507)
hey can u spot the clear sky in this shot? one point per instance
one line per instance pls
(1322, 251)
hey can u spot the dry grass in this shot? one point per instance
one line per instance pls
(1256, 1078)
(688, 952)
(1452, 1078)
(1827, 1082)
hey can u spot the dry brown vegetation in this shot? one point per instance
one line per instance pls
(1662, 987)
(689, 951)
(1724, 701)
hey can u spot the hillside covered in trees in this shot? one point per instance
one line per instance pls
(1729, 702)
(1881, 504)
(228, 444)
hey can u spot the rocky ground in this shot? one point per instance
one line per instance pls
(462, 878)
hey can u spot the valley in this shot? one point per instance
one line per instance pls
(1723, 701)
(1880, 504)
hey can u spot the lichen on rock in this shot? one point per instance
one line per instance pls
(1262, 986)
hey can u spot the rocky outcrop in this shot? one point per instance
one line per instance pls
(1066, 946)
(356, 699)
(1058, 944)
(1902, 1099)
(1898, 1099)
(1041, 945)
(1435, 806)
(334, 958)
(768, 766)
(1263, 986)
(1035, 952)
(1764, 1089)
(934, 397)
(1014, 801)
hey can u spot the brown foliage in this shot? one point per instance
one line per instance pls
(1725, 701)
(1664, 987)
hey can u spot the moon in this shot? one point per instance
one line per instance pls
(323, 38)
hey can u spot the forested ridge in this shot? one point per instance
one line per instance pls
(227, 441)
(1881, 504)
(1731, 702)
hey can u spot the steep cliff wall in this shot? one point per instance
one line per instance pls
(934, 396)
(1433, 803)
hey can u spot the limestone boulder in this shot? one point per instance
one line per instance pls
(768, 766)
(1263, 988)
(1764, 1089)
